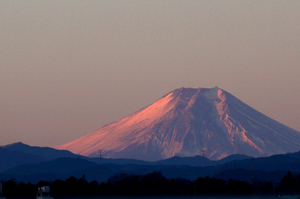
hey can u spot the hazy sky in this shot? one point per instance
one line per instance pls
(69, 67)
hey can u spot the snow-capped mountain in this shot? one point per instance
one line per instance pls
(189, 122)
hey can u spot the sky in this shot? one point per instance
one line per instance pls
(69, 67)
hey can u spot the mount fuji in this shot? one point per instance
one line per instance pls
(189, 122)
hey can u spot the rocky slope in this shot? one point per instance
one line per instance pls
(189, 122)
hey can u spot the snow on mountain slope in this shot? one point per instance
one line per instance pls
(186, 122)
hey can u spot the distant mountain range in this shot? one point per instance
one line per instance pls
(31, 164)
(188, 122)
(19, 153)
(188, 133)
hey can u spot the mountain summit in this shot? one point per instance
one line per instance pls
(189, 122)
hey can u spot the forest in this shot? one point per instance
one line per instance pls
(153, 184)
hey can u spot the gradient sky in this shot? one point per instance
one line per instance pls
(69, 67)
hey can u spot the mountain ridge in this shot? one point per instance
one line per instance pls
(47, 153)
(270, 168)
(188, 122)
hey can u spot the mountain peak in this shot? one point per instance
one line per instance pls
(15, 144)
(214, 93)
(190, 122)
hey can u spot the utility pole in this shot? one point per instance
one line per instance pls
(100, 153)
(100, 156)
(203, 152)
(252, 178)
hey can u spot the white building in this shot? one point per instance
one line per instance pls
(44, 193)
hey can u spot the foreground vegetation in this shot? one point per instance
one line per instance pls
(153, 184)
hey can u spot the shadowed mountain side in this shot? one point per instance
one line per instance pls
(9, 159)
(246, 175)
(18, 153)
(46, 152)
(191, 161)
(272, 163)
(15, 156)
(58, 166)
(115, 161)
(99, 173)
(295, 155)
(232, 158)
(199, 160)
(63, 168)
(188, 122)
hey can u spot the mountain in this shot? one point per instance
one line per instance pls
(58, 166)
(9, 159)
(120, 161)
(233, 158)
(246, 175)
(22, 155)
(270, 164)
(190, 122)
(18, 153)
(191, 161)
(271, 168)
(46, 153)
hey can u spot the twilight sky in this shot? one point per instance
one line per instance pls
(69, 67)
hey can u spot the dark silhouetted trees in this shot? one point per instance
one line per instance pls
(152, 184)
(288, 184)
(11, 188)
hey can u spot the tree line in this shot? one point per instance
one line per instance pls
(153, 184)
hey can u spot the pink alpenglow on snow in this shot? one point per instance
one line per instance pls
(185, 122)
